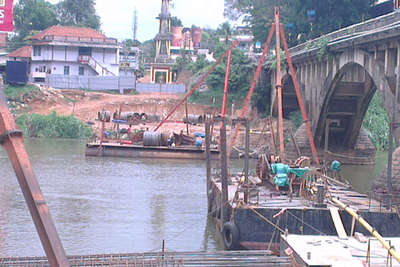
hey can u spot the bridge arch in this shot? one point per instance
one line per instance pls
(345, 102)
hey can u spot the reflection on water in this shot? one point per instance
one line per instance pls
(361, 177)
(106, 204)
(112, 205)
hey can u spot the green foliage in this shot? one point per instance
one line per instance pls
(149, 50)
(78, 13)
(31, 16)
(176, 22)
(241, 69)
(262, 97)
(239, 78)
(330, 15)
(297, 119)
(322, 45)
(52, 126)
(128, 43)
(376, 123)
(182, 63)
(13, 92)
(209, 39)
(225, 30)
(200, 64)
(34, 15)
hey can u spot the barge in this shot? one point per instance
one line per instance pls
(98, 149)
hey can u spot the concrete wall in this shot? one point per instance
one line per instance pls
(97, 83)
(160, 88)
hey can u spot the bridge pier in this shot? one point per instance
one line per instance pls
(339, 74)
(363, 153)
(379, 186)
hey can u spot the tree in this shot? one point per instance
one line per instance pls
(225, 30)
(131, 43)
(241, 70)
(175, 22)
(31, 16)
(209, 39)
(34, 15)
(329, 15)
(78, 13)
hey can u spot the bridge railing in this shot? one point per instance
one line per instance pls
(379, 22)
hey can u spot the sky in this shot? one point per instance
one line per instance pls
(117, 15)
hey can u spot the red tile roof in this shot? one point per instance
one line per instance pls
(68, 31)
(25, 51)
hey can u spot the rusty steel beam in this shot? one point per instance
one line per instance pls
(251, 90)
(226, 86)
(235, 43)
(299, 97)
(12, 141)
(279, 86)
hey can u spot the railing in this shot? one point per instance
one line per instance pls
(81, 39)
(95, 65)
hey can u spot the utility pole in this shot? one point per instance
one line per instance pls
(135, 25)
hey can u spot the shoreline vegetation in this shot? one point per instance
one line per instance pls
(53, 126)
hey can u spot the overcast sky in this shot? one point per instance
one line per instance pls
(117, 15)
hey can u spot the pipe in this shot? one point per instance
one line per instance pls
(226, 87)
(279, 86)
(368, 227)
(251, 90)
(235, 43)
(299, 97)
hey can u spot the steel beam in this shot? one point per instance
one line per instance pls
(12, 141)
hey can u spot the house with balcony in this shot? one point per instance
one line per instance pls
(72, 51)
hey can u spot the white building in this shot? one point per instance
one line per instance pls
(72, 51)
(129, 61)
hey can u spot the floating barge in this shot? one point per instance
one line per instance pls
(259, 223)
(97, 149)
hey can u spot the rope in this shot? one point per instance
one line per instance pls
(273, 234)
(265, 219)
(187, 228)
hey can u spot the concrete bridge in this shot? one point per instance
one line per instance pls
(338, 74)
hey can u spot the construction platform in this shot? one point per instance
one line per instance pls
(336, 252)
(260, 222)
(160, 259)
(96, 149)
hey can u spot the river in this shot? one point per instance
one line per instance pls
(117, 205)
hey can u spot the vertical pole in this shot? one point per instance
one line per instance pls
(271, 129)
(208, 158)
(326, 146)
(102, 133)
(226, 86)
(226, 89)
(279, 86)
(187, 116)
(246, 161)
(224, 175)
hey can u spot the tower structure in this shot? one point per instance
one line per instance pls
(161, 69)
(135, 25)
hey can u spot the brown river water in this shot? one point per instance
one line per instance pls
(118, 205)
